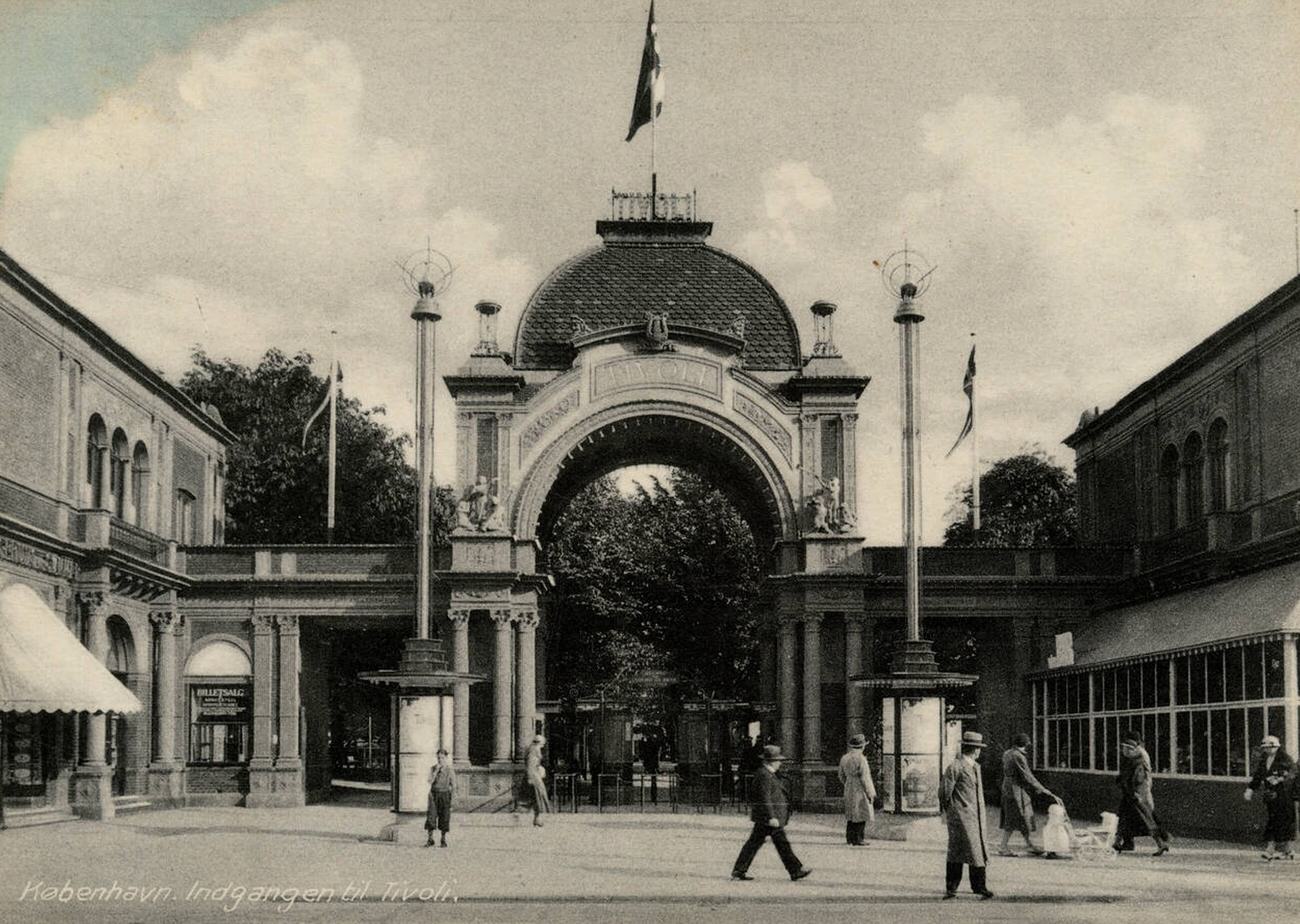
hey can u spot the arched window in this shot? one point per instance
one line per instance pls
(1218, 449)
(1193, 475)
(120, 459)
(96, 444)
(140, 484)
(121, 649)
(1169, 489)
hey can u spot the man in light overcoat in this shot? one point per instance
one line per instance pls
(859, 792)
(961, 799)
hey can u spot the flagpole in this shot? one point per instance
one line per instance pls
(654, 177)
(974, 446)
(333, 440)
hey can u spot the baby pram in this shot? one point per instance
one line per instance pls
(1061, 840)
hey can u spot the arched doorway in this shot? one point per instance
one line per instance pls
(121, 664)
(655, 348)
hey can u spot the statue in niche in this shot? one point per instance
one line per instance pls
(827, 509)
(481, 508)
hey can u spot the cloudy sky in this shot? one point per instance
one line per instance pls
(1101, 184)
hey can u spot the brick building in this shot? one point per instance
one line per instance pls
(1197, 472)
(106, 471)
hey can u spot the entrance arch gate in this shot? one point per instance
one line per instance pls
(654, 347)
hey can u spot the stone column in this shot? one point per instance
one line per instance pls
(812, 688)
(526, 685)
(261, 767)
(93, 781)
(786, 655)
(501, 686)
(165, 772)
(1291, 694)
(854, 695)
(460, 663)
(289, 785)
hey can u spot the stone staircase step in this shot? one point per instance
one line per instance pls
(30, 817)
(124, 805)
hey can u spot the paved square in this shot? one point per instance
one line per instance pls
(233, 864)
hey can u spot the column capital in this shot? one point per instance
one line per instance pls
(502, 616)
(527, 619)
(165, 620)
(787, 620)
(855, 620)
(812, 620)
(458, 617)
(287, 624)
(92, 601)
(262, 623)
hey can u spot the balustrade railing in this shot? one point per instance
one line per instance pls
(624, 206)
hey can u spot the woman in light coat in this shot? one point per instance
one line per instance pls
(859, 792)
(535, 778)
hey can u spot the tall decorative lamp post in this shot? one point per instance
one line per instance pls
(912, 709)
(422, 703)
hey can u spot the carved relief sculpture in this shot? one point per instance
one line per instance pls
(826, 510)
(656, 332)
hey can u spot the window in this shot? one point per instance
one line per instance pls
(119, 462)
(1223, 702)
(1218, 448)
(96, 445)
(1193, 486)
(220, 700)
(1169, 489)
(184, 517)
(139, 484)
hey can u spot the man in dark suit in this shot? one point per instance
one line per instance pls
(770, 812)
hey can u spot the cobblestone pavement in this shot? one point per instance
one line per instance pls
(235, 864)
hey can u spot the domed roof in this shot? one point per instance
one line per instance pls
(622, 280)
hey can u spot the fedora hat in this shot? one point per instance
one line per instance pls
(772, 752)
(972, 739)
(858, 741)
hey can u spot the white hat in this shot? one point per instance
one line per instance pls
(1270, 741)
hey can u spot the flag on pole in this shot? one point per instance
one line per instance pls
(650, 82)
(968, 386)
(330, 389)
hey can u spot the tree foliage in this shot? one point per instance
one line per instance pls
(1026, 500)
(276, 488)
(664, 580)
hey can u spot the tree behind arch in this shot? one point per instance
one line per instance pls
(1026, 501)
(276, 487)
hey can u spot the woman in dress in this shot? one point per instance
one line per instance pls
(535, 779)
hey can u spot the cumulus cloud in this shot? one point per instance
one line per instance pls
(245, 178)
(1085, 252)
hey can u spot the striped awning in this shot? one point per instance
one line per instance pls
(44, 668)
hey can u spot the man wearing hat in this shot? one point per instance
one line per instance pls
(859, 792)
(961, 799)
(1137, 804)
(770, 812)
(1274, 774)
(1019, 785)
